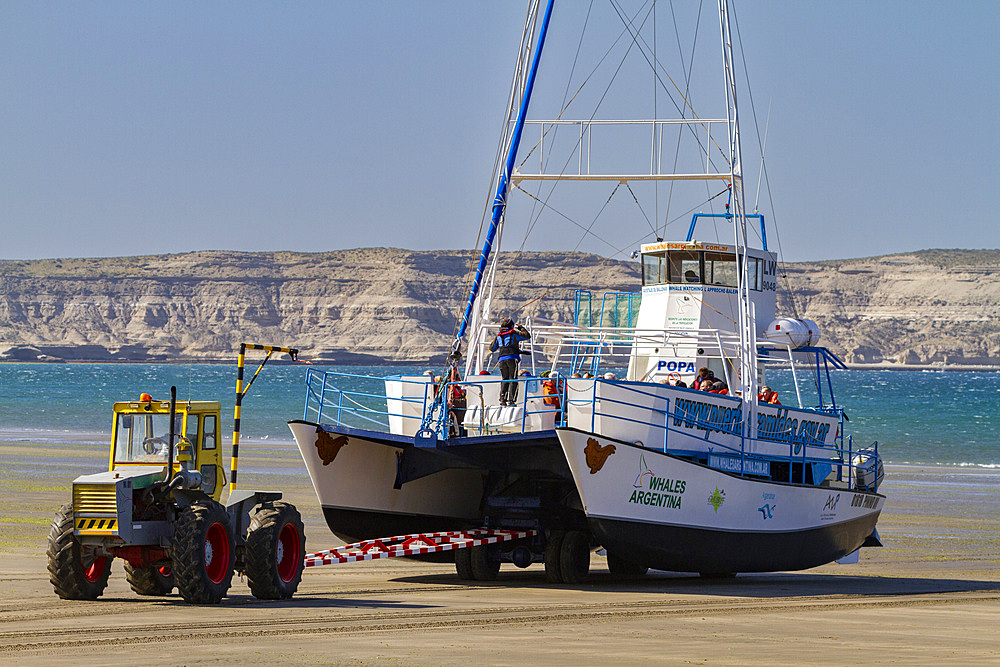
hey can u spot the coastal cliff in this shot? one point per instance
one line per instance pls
(372, 305)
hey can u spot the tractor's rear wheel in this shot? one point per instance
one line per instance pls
(156, 579)
(276, 546)
(76, 571)
(203, 553)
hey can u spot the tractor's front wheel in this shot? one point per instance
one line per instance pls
(276, 546)
(153, 580)
(76, 571)
(203, 553)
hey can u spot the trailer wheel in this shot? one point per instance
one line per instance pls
(574, 557)
(463, 564)
(203, 552)
(483, 568)
(553, 546)
(152, 580)
(276, 546)
(76, 571)
(622, 568)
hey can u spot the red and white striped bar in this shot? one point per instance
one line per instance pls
(413, 545)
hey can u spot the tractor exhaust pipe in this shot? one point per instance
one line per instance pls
(170, 438)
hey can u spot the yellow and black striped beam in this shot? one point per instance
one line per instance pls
(241, 392)
(96, 524)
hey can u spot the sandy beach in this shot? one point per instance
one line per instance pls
(930, 596)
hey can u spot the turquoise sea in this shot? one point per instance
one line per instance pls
(916, 417)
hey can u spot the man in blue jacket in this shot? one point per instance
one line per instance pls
(508, 343)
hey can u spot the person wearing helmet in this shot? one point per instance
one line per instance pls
(508, 344)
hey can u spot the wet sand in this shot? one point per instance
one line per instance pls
(931, 595)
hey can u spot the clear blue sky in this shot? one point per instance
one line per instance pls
(136, 128)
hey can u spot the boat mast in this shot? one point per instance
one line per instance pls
(503, 186)
(748, 345)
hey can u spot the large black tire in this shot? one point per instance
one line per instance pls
(463, 564)
(483, 568)
(152, 580)
(553, 546)
(76, 572)
(622, 568)
(203, 553)
(276, 547)
(574, 557)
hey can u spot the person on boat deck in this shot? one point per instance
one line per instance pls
(720, 387)
(550, 391)
(508, 344)
(457, 403)
(705, 385)
(703, 374)
(767, 395)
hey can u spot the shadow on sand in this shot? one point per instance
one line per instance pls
(762, 585)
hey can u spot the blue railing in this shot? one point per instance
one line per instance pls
(327, 403)
(835, 455)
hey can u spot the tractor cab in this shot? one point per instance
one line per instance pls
(142, 430)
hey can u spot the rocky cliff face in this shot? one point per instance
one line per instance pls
(935, 307)
(375, 305)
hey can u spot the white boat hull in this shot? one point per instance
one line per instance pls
(668, 513)
(354, 478)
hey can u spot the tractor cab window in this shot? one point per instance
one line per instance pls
(142, 438)
(211, 432)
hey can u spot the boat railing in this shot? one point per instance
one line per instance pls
(559, 345)
(661, 415)
(612, 408)
(482, 415)
(326, 402)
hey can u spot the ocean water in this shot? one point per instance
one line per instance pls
(916, 417)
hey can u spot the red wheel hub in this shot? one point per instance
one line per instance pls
(289, 555)
(216, 553)
(94, 571)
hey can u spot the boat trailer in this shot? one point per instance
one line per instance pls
(416, 544)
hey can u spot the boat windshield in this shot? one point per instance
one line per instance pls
(143, 438)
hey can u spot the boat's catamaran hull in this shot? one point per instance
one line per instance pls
(354, 472)
(669, 513)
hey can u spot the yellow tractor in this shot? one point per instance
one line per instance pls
(157, 508)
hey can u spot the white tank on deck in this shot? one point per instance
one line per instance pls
(796, 332)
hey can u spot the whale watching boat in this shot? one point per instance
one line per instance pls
(616, 448)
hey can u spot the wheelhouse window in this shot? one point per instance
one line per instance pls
(720, 269)
(685, 267)
(654, 269)
(692, 267)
